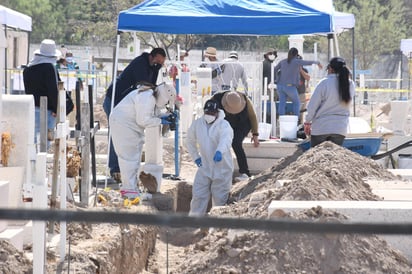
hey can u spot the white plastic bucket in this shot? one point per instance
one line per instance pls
(288, 126)
(405, 161)
(264, 131)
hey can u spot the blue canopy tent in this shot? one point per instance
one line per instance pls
(235, 17)
(243, 17)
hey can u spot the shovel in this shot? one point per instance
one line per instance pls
(385, 109)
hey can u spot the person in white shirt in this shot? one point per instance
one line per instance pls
(233, 72)
(217, 69)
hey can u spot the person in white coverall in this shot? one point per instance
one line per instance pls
(140, 109)
(209, 140)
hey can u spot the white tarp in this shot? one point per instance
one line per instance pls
(406, 46)
(3, 43)
(343, 21)
(14, 19)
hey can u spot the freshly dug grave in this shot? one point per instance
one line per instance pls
(106, 248)
(327, 172)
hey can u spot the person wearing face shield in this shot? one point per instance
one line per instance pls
(144, 68)
(140, 109)
(209, 139)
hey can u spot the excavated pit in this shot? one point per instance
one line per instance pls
(126, 248)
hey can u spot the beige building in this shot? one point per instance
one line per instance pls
(15, 28)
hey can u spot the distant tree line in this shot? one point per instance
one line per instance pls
(380, 25)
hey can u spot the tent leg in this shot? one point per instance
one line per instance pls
(353, 68)
(335, 40)
(112, 104)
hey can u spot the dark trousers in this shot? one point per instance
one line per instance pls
(237, 144)
(113, 161)
(334, 138)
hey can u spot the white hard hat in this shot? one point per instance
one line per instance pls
(233, 54)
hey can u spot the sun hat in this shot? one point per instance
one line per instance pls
(210, 107)
(270, 50)
(48, 49)
(211, 51)
(233, 54)
(233, 102)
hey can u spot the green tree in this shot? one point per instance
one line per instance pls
(378, 29)
(45, 14)
(77, 22)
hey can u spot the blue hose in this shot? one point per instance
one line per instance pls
(177, 134)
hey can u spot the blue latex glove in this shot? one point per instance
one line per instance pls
(198, 162)
(165, 121)
(217, 157)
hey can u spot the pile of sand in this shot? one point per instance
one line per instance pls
(327, 172)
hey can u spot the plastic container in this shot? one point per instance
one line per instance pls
(363, 146)
(405, 161)
(399, 113)
(288, 126)
(264, 131)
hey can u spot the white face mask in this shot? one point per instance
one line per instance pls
(209, 118)
(271, 57)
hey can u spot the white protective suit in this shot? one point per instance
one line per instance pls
(128, 120)
(203, 140)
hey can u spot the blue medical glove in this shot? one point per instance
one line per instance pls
(198, 162)
(165, 120)
(217, 157)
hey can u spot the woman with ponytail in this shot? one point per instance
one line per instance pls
(287, 73)
(329, 107)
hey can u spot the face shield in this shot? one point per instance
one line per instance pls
(166, 93)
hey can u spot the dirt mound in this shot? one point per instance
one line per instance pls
(241, 251)
(327, 172)
(13, 261)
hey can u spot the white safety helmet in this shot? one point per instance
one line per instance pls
(166, 93)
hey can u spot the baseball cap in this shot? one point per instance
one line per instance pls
(210, 107)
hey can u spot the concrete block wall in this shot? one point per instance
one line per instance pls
(12, 234)
(266, 154)
(4, 201)
(18, 119)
